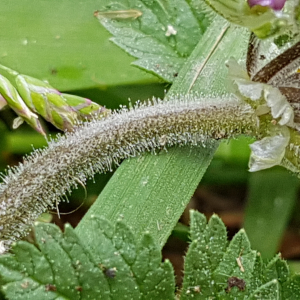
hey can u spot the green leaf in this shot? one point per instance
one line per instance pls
(215, 270)
(204, 255)
(115, 266)
(257, 275)
(291, 288)
(267, 291)
(276, 268)
(62, 42)
(272, 194)
(238, 261)
(63, 267)
(151, 192)
(146, 194)
(161, 37)
(274, 275)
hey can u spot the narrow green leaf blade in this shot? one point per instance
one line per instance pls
(151, 192)
(271, 199)
(147, 193)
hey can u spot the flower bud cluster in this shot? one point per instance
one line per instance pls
(31, 97)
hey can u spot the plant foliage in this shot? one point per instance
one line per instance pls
(60, 266)
(162, 35)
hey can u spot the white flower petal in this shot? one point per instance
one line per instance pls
(250, 89)
(17, 122)
(287, 118)
(279, 105)
(269, 151)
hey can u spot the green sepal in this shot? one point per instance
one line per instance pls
(43, 99)
(62, 110)
(85, 108)
(29, 87)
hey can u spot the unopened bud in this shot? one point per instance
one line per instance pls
(13, 99)
(62, 110)
(43, 99)
(259, 16)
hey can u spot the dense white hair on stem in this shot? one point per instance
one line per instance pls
(48, 174)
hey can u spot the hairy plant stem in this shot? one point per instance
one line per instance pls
(49, 174)
(149, 193)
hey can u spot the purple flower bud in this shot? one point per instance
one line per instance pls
(274, 4)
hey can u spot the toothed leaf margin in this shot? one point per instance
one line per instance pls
(61, 266)
(215, 270)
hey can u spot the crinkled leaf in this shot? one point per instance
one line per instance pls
(62, 267)
(291, 288)
(161, 35)
(214, 270)
(205, 253)
(278, 269)
(238, 260)
(257, 274)
(267, 291)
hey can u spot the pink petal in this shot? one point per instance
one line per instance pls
(274, 4)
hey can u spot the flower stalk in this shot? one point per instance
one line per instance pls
(95, 146)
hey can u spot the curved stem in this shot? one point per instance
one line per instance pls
(46, 175)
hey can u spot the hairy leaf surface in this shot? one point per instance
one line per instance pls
(115, 266)
(215, 270)
(62, 267)
(161, 34)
